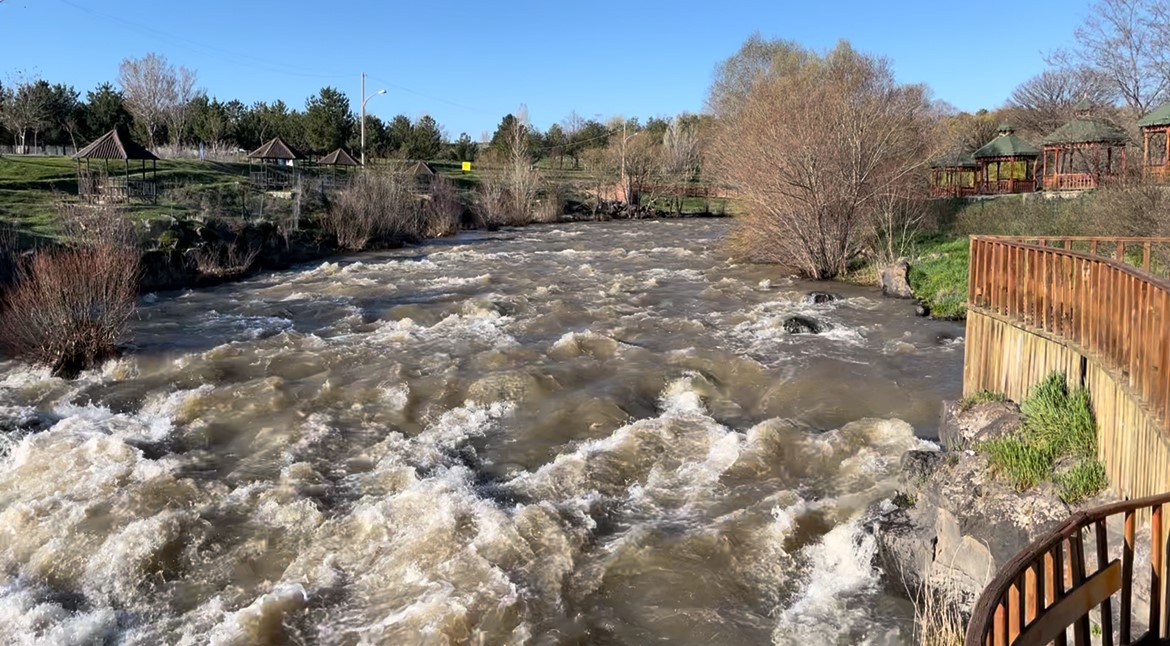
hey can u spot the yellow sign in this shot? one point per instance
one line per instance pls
(466, 166)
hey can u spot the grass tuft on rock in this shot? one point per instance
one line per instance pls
(981, 397)
(1058, 428)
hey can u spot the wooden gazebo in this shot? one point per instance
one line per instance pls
(96, 183)
(341, 163)
(277, 162)
(1084, 152)
(954, 176)
(1156, 144)
(1007, 164)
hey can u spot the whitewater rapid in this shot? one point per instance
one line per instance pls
(574, 434)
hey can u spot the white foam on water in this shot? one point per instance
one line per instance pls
(30, 615)
(830, 605)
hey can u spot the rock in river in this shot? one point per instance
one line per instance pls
(895, 280)
(802, 325)
(816, 298)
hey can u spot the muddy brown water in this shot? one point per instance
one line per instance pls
(577, 434)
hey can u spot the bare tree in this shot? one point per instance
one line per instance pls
(1046, 101)
(25, 104)
(1126, 42)
(681, 157)
(510, 197)
(813, 148)
(149, 87)
(179, 112)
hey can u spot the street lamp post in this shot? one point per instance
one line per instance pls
(363, 124)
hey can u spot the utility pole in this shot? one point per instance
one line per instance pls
(363, 124)
(363, 117)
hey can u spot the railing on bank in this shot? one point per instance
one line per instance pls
(1054, 584)
(1102, 297)
(1113, 310)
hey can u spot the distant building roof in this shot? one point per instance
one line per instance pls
(1006, 144)
(420, 169)
(275, 148)
(338, 158)
(1087, 130)
(958, 160)
(115, 145)
(1159, 117)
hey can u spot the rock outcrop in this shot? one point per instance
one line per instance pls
(955, 522)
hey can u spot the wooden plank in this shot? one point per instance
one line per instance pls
(1157, 550)
(1127, 550)
(1102, 536)
(1076, 604)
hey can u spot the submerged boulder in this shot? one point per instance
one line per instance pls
(816, 298)
(803, 325)
(896, 280)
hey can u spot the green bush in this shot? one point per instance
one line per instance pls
(1058, 426)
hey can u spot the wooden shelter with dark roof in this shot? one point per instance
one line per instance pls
(96, 183)
(1156, 144)
(1007, 164)
(954, 176)
(1084, 152)
(275, 159)
(340, 164)
(338, 157)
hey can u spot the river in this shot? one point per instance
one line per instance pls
(571, 434)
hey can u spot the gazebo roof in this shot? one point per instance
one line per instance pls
(420, 169)
(338, 158)
(957, 160)
(115, 145)
(275, 148)
(1087, 130)
(1006, 144)
(1159, 117)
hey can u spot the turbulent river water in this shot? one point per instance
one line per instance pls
(579, 434)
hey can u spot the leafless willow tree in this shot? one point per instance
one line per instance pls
(1126, 41)
(156, 93)
(816, 146)
(1046, 101)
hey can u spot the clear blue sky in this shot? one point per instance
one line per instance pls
(468, 63)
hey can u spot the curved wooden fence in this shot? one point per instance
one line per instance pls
(1056, 583)
(1105, 307)
(1095, 309)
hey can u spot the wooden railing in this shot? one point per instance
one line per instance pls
(1070, 182)
(1108, 308)
(1007, 186)
(1055, 584)
(1101, 298)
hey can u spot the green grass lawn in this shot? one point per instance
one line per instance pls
(938, 275)
(32, 187)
